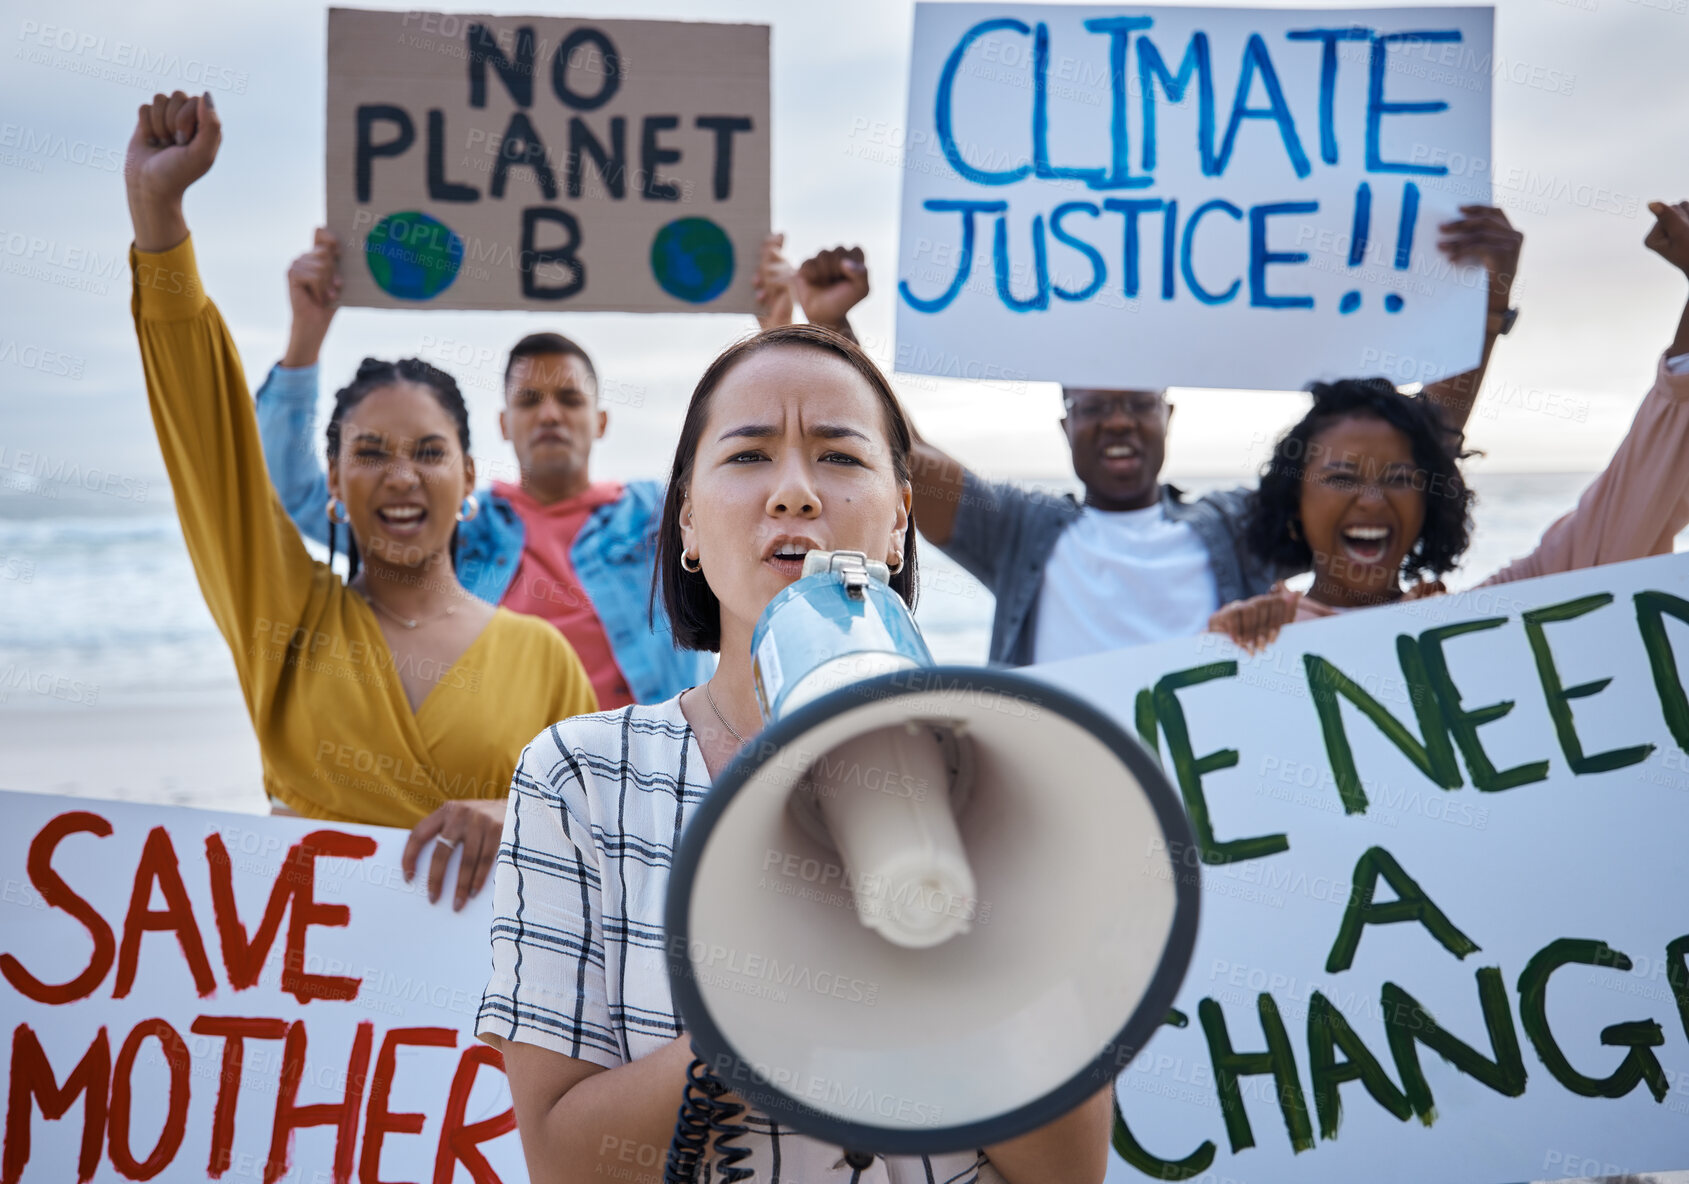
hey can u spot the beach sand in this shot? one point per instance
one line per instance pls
(182, 750)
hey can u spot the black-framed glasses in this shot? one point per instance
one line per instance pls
(1094, 408)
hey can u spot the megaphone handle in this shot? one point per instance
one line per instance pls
(705, 1118)
(858, 1161)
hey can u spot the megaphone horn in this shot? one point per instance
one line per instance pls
(928, 908)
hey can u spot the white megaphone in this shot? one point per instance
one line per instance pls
(928, 908)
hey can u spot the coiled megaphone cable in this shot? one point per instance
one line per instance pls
(706, 1119)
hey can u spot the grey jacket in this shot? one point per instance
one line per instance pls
(1004, 535)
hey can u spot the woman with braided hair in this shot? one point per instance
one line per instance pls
(393, 697)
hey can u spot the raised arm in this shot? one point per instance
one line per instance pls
(772, 285)
(253, 570)
(1669, 239)
(831, 283)
(1481, 235)
(1640, 501)
(937, 479)
(287, 402)
(313, 296)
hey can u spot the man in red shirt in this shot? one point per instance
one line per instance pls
(551, 417)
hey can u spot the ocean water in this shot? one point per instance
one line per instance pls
(105, 609)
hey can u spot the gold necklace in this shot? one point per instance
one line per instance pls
(407, 622)
(719, 715)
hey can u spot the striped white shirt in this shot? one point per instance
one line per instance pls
(596, 808)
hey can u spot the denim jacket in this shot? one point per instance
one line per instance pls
(613, 555)
(1004, 536)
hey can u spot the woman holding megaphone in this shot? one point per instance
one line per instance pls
(396, 697)
(793, 442)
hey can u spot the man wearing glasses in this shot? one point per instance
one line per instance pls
(1135, 561)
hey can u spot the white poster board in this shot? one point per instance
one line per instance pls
(1412, 870)
(1219, 197)
(1510, 865)
(547, 162)
(191, 995)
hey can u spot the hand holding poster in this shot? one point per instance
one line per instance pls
(1219, 197)
(1443, 931)
(544, 162)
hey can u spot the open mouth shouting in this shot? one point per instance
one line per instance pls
(785, 554)
(402, 520)
(1365, 544)
(1121, 458)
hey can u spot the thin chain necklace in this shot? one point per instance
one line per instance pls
(407, 622)
(719, 715)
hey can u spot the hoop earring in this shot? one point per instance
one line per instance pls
(469, 509)
(337, 512)
(1295, 529)
(894, 570)
(696, 566)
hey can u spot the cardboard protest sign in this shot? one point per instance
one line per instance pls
(547, 162)
(1444, 934)
(191, 995)
(1222, 197)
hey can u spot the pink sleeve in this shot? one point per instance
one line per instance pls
(1639, 502)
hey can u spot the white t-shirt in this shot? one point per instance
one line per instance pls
(1122, 578)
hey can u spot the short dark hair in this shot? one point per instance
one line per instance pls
(536, 345)
(1437, 451)
(694, 612)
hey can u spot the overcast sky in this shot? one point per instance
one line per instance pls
(1596, 307)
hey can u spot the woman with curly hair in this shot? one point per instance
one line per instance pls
(1367, 491)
